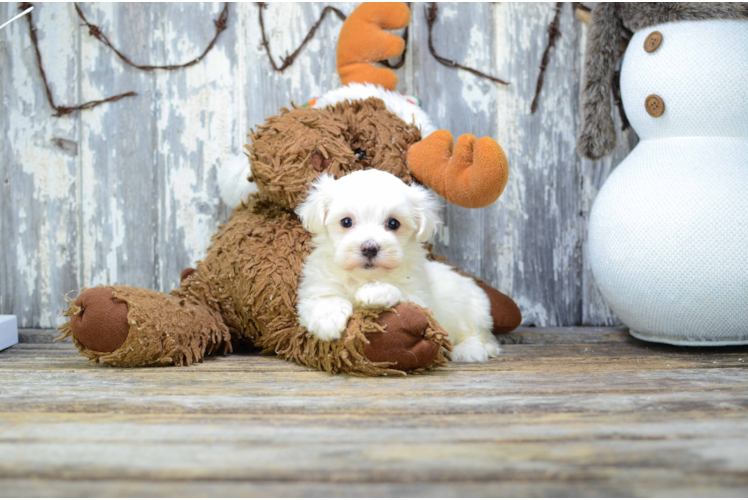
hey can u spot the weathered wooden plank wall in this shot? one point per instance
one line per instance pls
(39, 201)
(126, 193)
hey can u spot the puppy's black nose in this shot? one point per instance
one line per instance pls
(369, 249)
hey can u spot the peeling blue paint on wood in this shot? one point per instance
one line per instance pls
(126, 193)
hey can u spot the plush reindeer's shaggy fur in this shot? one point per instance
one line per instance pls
(598, 136)
(246, 286)
(163, 330)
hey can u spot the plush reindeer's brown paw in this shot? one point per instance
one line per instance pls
(126, 326)
(101, 323)
(505, 313)
(405, 339)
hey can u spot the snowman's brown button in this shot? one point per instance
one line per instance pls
(655, 105)
(653, 41)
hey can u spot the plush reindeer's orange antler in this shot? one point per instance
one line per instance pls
(364, 42)
(473, 175)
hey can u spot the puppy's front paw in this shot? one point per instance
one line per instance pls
(474, 350)
(327, 318)
(375, 295)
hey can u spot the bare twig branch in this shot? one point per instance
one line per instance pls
(553, 34)
(289, 60)
(60, 109)
(96, 32)
(431, 16)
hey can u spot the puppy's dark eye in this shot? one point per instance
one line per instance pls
(393, 224)
(360, 154)
(347, 222)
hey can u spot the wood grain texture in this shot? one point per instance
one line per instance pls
(600, 414)
(540, 488)
(126, 193)
(39, 171)
(119, 191)
(150, 201)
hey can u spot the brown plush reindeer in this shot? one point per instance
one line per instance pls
(246, 286)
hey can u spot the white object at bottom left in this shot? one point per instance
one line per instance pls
(8, 331)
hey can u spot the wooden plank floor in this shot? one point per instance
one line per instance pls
(564, 411)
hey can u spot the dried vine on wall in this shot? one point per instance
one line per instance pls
(431, 15)
(289, 59)
(221, 23)
(95, 31)
(60, 109)
(553, 34)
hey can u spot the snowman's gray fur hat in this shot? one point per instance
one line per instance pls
(598, 135)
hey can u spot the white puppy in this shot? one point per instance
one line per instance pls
(369, 228)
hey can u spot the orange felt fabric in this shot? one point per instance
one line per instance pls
(363, 42)
(473, 174)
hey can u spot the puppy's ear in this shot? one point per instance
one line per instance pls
(426, 209)
(313, 210)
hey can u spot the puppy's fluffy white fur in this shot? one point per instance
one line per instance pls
(340, 274)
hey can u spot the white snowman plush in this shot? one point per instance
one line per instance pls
(668, 234)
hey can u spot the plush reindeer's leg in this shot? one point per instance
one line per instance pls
(126, 326)
(505, 313)
(376, 342)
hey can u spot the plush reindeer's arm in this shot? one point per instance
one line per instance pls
(598, 135)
